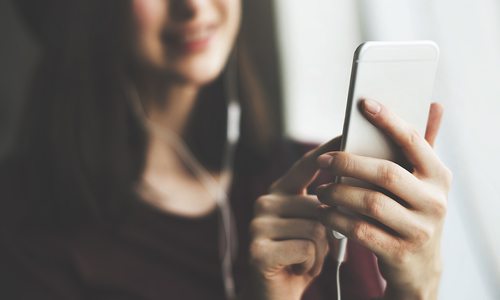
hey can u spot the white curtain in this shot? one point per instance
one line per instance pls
(317, 39)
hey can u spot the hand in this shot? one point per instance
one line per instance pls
(402, 227)
(289, 243)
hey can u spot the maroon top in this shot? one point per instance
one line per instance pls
(155, 255)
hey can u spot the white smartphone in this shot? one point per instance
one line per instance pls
(400, 75)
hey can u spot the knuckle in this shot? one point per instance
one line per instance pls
(423, 236)
(440, 206)
(360, 231)
(318, 231)
(413, 137)
(388, 175)
(401, 255)
(342, 162)
(264, 204)
(258, 251)
(374, 204)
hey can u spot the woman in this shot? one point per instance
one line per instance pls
(97, 206)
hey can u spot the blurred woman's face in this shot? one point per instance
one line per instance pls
(187, 40)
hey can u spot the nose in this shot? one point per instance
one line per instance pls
(183, 10)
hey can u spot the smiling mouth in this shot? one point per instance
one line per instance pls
(190, 40)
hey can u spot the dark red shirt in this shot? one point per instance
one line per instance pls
(155, 255)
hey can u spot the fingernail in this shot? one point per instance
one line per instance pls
(325, 161)
(371, 107)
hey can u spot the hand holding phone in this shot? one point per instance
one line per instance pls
(391, 190)
(399, 75)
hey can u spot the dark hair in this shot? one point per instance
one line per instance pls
(79, 135)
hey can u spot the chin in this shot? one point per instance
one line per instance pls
(200, 72)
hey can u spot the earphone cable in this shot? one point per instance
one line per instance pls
(218, 190)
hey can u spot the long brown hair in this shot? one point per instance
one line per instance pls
(79, 137)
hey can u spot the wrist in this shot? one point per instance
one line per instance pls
(399, 294)
(427, 291)
(258, 287)
(415, 286)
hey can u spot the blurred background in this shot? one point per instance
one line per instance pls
(303, 52)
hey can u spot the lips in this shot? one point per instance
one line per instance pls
(190, 39)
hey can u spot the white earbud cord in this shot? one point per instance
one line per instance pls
(217, 189)
(339, 260)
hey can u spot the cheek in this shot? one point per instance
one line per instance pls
(149, 14)
(233, 13)
(150, 17)
(230, 15)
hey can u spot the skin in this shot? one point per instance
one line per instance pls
(408, 245)
(169, 85)
(289, 256)
(289, 241)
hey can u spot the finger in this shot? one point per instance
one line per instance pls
(278, 229)
(304, 171)
(380, 173)
(418, 152)
(373, 204)
(288, 206)
(271, 255)
(376, 239)
(287, 229)
(433, 123)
